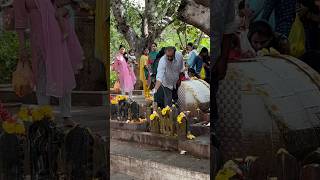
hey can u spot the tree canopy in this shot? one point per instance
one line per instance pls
(137, 26)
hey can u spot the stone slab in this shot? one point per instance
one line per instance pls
(114, 124)
(146, 162)
(199, 129)
(200, 147)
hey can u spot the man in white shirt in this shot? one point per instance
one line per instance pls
(170, 67)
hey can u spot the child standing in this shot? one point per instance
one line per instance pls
(132, 60)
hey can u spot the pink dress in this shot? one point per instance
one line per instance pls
(62, 59)
(126, 75)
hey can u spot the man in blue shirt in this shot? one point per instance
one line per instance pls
(198, 61)
(192, 53)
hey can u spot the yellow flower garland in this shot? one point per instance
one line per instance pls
(190, 136)
(165, 111)
(36, 115)
(180, 117)
(268, 52)
(154, 115)
(33, 115)
(114, 101)
(46, 112)
(13, 128)
(121, 98)
(24, 114)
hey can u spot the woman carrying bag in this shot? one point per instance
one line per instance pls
(54, 61)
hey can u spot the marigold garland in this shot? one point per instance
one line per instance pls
(9, 123)
(165, 111)
(154, 115)
(180, 117)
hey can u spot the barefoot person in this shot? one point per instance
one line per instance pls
(54, 62)
(170, 67)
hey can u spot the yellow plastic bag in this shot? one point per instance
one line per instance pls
(22, 79)
(202, 73)
(297, 38)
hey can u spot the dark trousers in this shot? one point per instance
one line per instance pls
(165, 96)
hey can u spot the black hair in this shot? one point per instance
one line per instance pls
(191, 44)
(161, 53)
(155, 44)
(121, 46)
(260, 27)
(171, 48)
(310, 4)
(145, 48)
(131, 50)
(125, 55)
(204, 50)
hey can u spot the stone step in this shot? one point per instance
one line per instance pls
(119, 176)
(148, 162)
(199, 147)
(115, 124)
(79, 98)
(135, 92)
(95, 118)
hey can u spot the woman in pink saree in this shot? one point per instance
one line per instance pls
(126, 75)
(54, 61)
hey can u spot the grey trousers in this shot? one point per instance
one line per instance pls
(43, 99)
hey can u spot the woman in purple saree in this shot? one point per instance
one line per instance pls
(54, 61)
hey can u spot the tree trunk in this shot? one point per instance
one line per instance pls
(151, 26)
(196, 13)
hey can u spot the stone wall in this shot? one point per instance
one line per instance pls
(92, 77)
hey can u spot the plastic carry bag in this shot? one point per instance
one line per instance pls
(297, 38)
(22, 79)
(202, 73)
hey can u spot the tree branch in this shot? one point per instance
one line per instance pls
(167, 19)
(120, 14)
(196, 13)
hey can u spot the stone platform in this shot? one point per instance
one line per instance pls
(148, 162)
(114, 124)
(200, 147)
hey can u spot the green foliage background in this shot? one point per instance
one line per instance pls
(169, 37)
(9, 46)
